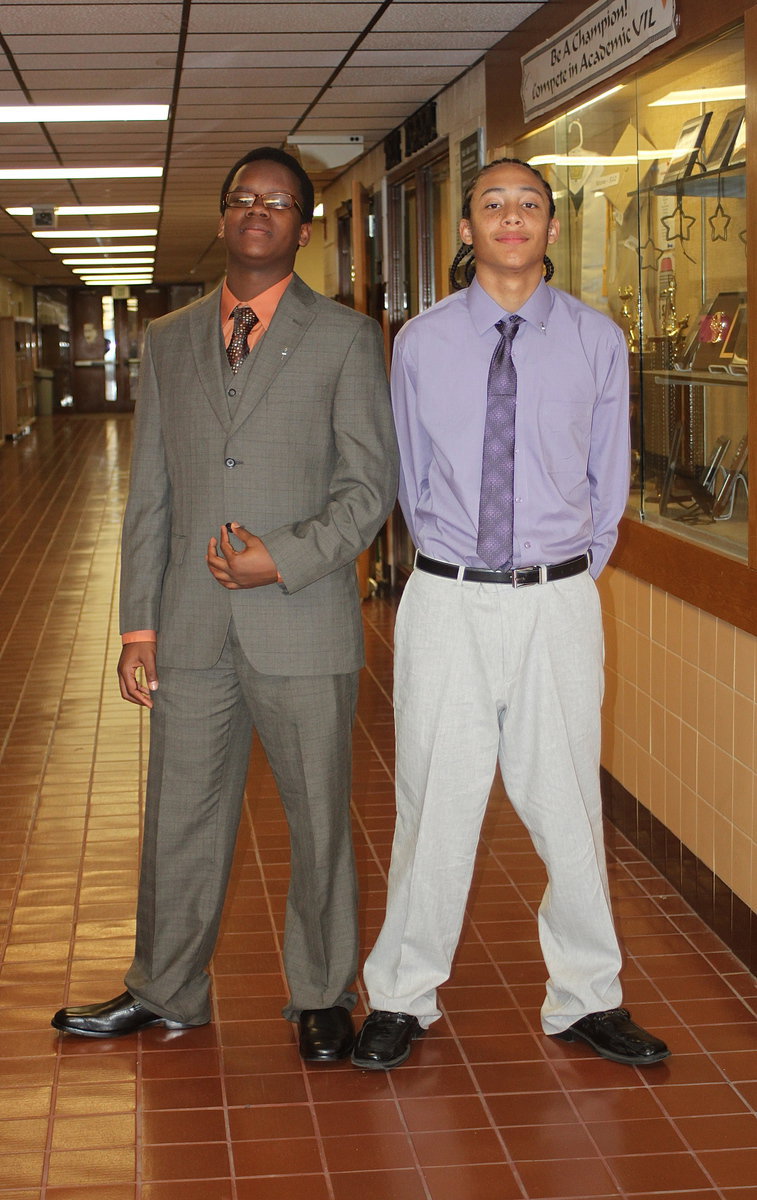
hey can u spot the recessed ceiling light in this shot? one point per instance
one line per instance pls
(97, 210)
(39, 113)
(53, 234)
(105, 262)
(81, 172)
(111, 275)
(137, 249)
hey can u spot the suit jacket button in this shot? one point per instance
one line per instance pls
(232, 391)
(230, 462)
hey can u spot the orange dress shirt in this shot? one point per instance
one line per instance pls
(264, 306)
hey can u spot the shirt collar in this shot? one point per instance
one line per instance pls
(485, 311)
(264, 304)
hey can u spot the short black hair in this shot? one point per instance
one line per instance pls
(273, 154)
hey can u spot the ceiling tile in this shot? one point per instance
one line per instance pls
(251, 71)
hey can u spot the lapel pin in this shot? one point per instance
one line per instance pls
(284, 352)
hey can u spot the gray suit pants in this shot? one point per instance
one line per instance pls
(200, 736)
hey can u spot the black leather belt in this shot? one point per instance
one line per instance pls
(518, 577)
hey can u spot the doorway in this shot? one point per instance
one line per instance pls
(107, 337)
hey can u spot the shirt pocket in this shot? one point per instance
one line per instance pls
(565, 434)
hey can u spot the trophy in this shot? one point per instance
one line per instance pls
(630, 317)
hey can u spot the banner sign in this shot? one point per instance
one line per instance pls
(608, 36)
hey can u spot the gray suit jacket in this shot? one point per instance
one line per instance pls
(308, 463)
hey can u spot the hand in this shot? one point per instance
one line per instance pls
(136, 655)
(248, 568)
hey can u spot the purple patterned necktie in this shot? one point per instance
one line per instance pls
(495, 514)
(237, 349)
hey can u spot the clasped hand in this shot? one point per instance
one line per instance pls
(247, 568)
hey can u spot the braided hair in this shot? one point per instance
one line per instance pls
(466, 252)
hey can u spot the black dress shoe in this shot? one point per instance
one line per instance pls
(385, 1040)
(114, 1018)
(326, 1034)
(615, 1036)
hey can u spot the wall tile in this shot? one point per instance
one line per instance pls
(680, 735)
(745, 664)
(725, 641)
(707, 639)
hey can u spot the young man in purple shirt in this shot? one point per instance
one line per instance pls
(499, 647)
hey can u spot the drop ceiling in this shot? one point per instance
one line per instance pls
(236, 75)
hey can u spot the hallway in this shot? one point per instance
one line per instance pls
(486, 1109)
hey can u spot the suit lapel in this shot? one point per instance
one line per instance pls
(205, 332)
(294, 314)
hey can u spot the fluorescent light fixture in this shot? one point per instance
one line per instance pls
(104, 262)
(81, 173)
(98, 210)
(701, 96)
(110, 275)
(101, 249)
(94, 233)
(39, 113)
(318, 210)
(102, 280)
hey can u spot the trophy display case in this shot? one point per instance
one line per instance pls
(650, 186)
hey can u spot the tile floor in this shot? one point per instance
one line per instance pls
(486, 1108)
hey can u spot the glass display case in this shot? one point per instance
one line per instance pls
(649, 181)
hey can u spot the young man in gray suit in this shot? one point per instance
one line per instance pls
(264, 463)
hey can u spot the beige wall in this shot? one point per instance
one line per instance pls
(15, 299)
(679, 722)
(310, 262)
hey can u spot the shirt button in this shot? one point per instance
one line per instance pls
(527, 545)
(518, 499)
(230, 462)
(232, 391)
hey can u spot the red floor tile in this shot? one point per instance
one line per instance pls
(477, 1182)
(487, 1106)
(201, 1160)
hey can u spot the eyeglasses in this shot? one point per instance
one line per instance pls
(278, 201)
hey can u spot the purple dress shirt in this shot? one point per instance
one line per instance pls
(572, 436)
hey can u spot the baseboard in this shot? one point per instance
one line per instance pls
(708, 895)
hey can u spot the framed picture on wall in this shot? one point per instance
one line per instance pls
(736, 335)
(715, 329)
(687, 148)
(719, 156)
